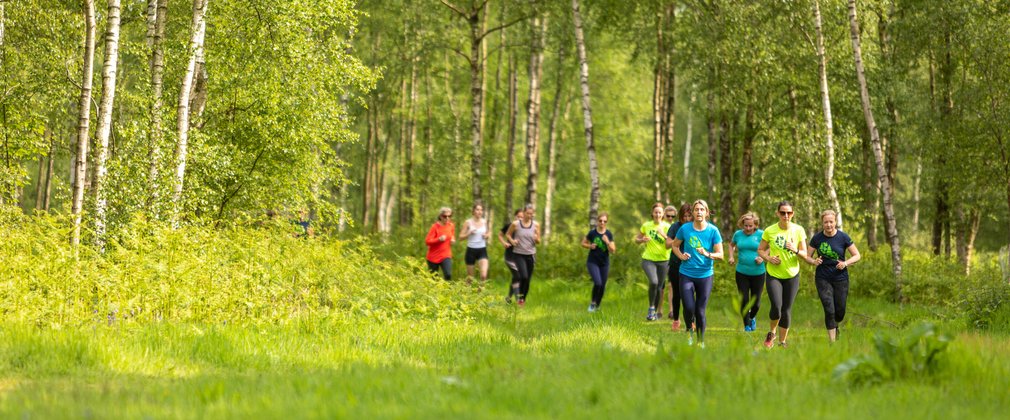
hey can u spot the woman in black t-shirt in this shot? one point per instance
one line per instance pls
(509, 256)
(832, 274)
(600, 243)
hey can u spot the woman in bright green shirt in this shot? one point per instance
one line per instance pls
(655, 258)
(782, 246)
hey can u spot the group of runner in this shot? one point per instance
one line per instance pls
(681, 247)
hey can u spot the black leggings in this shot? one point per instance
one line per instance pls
(446, 266)
(524, 271)
(598, 272)
(696, 292)
(782, 293)
(750, 290)
(510, 263)
(673, 275)
(833, 295)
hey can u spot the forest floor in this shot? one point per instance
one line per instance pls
(551, 359)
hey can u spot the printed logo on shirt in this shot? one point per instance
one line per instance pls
(655, 235)
(694, 242)
(826, 251)
(599, 243)
(780, 241)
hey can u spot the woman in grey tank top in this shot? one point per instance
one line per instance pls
(524, 235)
(476, 232)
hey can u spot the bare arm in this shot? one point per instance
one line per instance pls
(765, 254)
(683, 256)
(852, 260)
(732, 253)
(511, 231)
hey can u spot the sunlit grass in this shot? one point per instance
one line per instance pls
(549, 359)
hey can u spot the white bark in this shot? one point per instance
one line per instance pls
(104, 129)
(84, 119)
(878, 155)
(196, 55)
(829, 167)
(533, 109)
(690, 128)
(587, 116)
(157, 70)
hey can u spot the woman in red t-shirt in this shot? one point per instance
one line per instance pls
(439, 240)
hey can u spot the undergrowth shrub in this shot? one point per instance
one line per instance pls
(237, 274)
(916, 355)
(985, 300)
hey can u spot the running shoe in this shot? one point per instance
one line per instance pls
(753, 324)
(592, 307)
(508, 300)
(701, 345)
(521, 303)
(670, 315)
(747, 327)
(769, 340)
(690, 338)
(652, 315)
(675, 326)
(783, 344)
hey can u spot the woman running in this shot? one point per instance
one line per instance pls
(832, 275)
(655, 258)
(476, 232)
(702, 245)
(440, 238)
(682, 217)
(782, 246)
(524, 235)
(750, 272)
(510, 260)
(600, 243)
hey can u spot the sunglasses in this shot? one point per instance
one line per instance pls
(447, 216)
(785, 213)
(670, 216)
(602, 220)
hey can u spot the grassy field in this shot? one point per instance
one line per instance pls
(550, 359)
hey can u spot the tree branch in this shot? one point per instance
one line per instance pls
(455, 9)
(503, 26)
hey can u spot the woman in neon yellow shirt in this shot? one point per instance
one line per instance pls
(655, 258)
(782, 246)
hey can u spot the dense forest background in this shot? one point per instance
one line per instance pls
(373, 114)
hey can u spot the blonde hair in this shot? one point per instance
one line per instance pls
(671, 208)
(442, 211)
(704, 204)
(831, 212)
(748, 216)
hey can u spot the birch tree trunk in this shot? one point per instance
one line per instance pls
(916, 185)
(83, 120)
(822, 68)
(49, 175)
(368, 184)
(587, 116)
(533, 109)
(47, 134)
(658, 102)
(104, 129)
(687, 140)
(864, 94)
(196, 55)
(408, 202)
(157, 64)
(513, 93)
(713, 146)
(552, 147)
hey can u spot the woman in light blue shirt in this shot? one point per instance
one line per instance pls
(750, 269)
